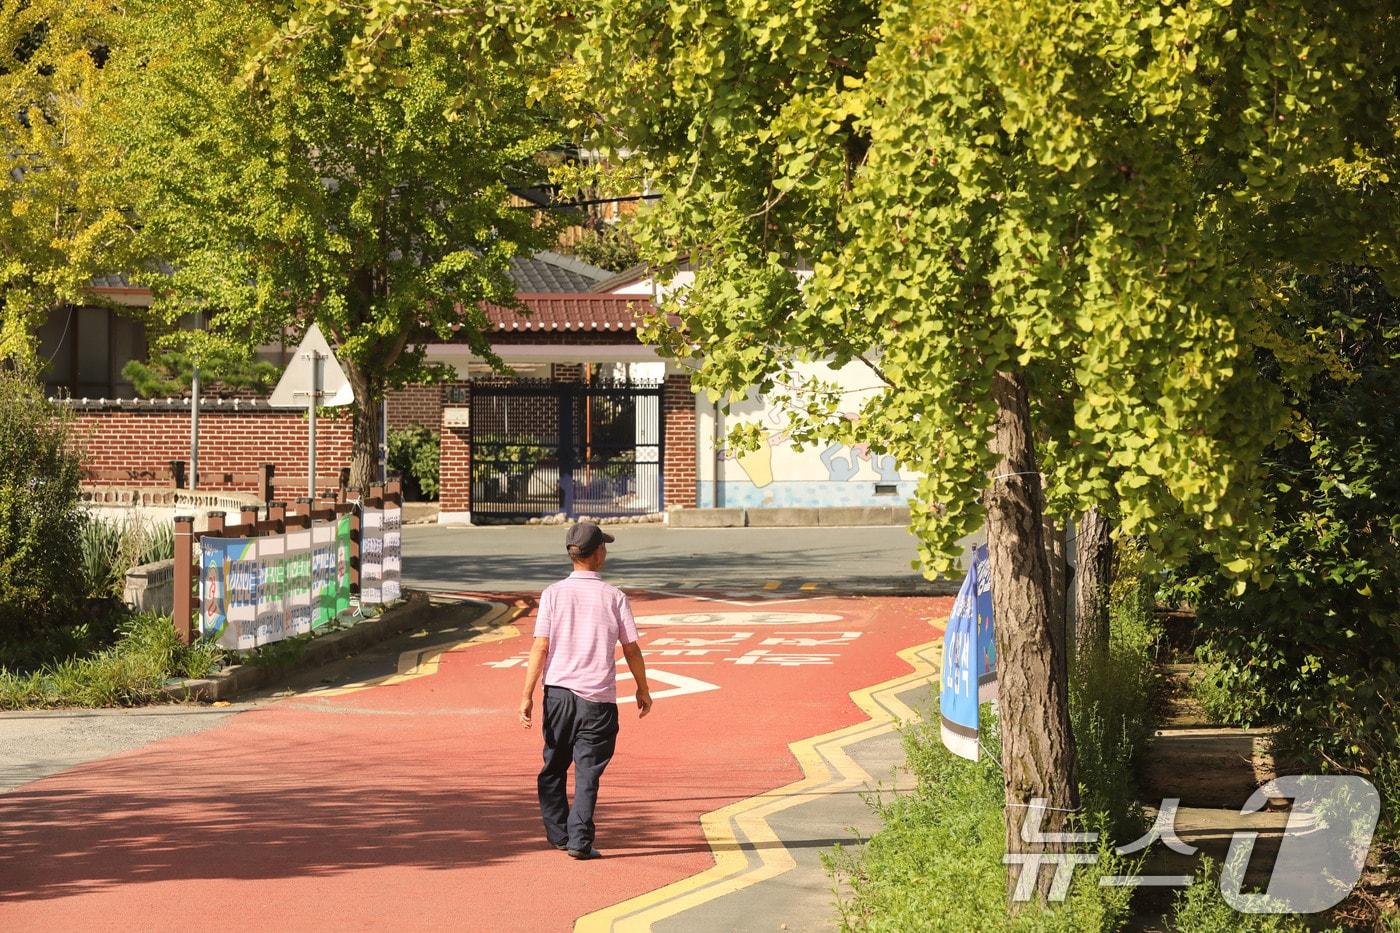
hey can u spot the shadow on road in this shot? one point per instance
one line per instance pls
(471, 571)
(59, 841)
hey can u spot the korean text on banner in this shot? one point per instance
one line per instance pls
(986, 640)
(969, 660)
(271, 622)
(298, 564)
(393, 551)
(323, 580)
(342, 565)
(241, 574)
(372, 557)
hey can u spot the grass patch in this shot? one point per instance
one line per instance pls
(131, 672)
(1112, 702)
(279, 655)
(937, 862)
(1202, 909)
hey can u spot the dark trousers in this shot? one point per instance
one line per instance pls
(584, 733)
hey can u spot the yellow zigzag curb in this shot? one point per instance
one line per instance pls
(424, 662)
(739, 833)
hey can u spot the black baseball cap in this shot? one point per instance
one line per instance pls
(586, 536)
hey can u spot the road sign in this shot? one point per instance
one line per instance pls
(298, 386)
(313, 378)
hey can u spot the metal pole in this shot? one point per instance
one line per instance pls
(193, 412)
(311, 423)
(384, 439)
(194, 430)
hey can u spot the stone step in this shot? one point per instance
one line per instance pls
(1210, 831)
(1206, 767)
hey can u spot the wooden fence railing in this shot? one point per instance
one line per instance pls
(269, 519)
(263, 479)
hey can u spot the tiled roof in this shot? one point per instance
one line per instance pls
(576, 312)
(627, 276)
(554, 272)
(542, 272)
(124, 281)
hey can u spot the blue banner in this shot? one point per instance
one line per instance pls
(986, 642)
(969, 660)
(213, 590)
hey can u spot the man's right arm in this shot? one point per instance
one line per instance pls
(627, 634)
(633, 653)
(538, 654)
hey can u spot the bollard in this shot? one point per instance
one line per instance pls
(183, 610)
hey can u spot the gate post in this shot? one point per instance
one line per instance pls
(183, 610)
(566, 450)
(678, 453)
(455, 455)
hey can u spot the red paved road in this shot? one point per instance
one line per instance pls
(413, 804)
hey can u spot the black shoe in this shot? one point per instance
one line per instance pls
(561, 846)
(584, 855)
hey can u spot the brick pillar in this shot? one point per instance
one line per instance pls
(454, 465)
(678, 402)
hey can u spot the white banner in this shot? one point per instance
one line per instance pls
(372, 556)
(271, 624)
(299, 581)
(393, 551)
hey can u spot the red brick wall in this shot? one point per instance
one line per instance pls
(679, 480)
(229, 442)
(455, 464)
(415, 405)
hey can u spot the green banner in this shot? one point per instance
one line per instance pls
(342, 564)
(323, 573)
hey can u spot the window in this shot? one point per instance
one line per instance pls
(84, 350)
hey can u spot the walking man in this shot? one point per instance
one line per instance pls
(581, 620)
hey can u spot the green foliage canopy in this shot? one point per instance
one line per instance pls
(60, 221)
(1316, 651)
(290, 194)
(1082, 193)
(41, 521)
(221, 368)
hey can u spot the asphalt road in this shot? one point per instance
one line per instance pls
(410, 802)
(875, 560)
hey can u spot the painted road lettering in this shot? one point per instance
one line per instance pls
(740, 619)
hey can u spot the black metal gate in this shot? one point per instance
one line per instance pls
(541, 448)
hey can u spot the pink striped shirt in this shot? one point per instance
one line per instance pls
(584, 619)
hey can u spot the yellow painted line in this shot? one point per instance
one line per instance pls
(424, 662)
(772, 585)
(808, 587)
(827, 769)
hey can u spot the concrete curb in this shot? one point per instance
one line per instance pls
(840, 516)
(242, 678)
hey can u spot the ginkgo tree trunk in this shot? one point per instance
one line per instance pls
(1037, 744)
